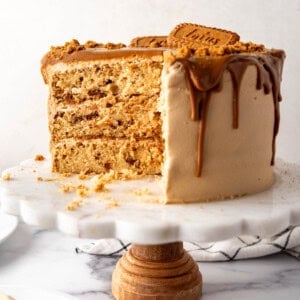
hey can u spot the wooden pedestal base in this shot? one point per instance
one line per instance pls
(158, 272)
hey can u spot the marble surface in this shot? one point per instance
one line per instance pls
(47, 259)
(126, 209)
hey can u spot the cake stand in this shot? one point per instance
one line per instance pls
(156, 266)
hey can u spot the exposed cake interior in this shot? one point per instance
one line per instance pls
(103, 113)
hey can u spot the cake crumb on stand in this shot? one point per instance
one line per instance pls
(5, 297)
(73, 205)
(6, 176)
(82, 190)
(39, 157)
(112, 204)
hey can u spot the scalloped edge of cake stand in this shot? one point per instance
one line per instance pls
(40, 203)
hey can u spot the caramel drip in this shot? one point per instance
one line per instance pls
(236, 71)
(204, 76)
(274, 64)
(202, 110)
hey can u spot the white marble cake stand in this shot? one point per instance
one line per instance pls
(127, 211)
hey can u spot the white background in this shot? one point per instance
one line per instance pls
(29, 27)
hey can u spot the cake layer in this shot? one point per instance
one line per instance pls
(90, 80)
(136, 116)
(101, 155)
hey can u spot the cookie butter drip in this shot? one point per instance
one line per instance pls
(237, 71)
(204, 76)
(202, 100)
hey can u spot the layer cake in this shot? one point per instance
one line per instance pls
(197, 107)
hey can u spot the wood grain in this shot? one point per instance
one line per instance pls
(160, 272)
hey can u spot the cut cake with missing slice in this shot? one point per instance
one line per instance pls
(203, 115)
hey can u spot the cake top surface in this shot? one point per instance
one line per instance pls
(186, 38)
(184, 41)
(59, 52)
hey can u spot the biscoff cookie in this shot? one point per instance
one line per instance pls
(149, 41)
(196, 36)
